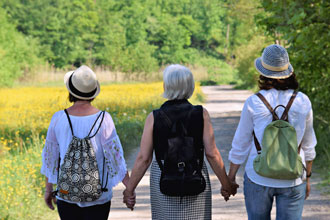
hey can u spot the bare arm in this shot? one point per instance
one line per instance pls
(144, 157)
(212, 154)
(126, 179)
(232, 171)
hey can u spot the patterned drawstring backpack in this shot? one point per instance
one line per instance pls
(78, 177)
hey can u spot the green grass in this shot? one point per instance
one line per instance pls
(22, 185)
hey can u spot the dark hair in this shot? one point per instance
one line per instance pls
(74, 99)
(279, 84)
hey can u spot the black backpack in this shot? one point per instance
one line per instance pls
(181, 173)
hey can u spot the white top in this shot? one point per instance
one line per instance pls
(256, 116)
(106, 144)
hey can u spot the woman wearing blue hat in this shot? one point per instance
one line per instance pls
(278, 86)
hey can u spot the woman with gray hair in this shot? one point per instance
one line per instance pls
(158, 136)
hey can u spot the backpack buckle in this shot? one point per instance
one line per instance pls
(181, 164)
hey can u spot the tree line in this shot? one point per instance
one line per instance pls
(304, 28)
(124, 35)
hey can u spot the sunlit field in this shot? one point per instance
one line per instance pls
(25, 114)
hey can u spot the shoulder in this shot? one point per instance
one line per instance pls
(206, 115)
(302, 102)
(251, 102)
(107, 119)
(56, 116)
(150, 118)
(303, 98)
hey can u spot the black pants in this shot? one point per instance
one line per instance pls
(68, 211)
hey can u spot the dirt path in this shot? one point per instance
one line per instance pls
(224, 106)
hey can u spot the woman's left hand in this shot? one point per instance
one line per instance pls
(129, 199)
(308, 189)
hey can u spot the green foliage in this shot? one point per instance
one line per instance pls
(128, 36)
(245, 61)
(18, 53)
(303, 26)
(245, 40)
(219, 72)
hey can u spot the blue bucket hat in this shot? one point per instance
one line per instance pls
(274, 63)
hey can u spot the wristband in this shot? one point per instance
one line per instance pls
(308, 175)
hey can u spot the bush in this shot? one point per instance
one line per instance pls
(219, 72)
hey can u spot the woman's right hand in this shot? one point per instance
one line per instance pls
(50, 200)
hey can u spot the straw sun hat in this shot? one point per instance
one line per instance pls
(82, 83)
(274, 63)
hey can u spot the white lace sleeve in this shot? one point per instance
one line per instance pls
(50, 154)
(113, 152)
(115, 161)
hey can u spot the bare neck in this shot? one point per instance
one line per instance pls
(82, 108)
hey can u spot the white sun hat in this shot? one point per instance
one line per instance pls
(82, 83)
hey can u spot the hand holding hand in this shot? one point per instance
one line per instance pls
(225, 194)
(129, 199)
(234, 187)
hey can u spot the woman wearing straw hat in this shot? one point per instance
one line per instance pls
(277, 83)
(80, 121)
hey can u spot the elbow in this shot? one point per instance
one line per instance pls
(211, 155)
(145, 161)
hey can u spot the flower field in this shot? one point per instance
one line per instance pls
(25, 114)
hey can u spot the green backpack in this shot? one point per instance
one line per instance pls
(279, 157)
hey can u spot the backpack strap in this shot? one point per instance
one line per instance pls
(288, 106)
(263, 99)
(167, 119)
(97, 130)
(256, 143)
(283, 117)
(286, 111)
(104, 189)
(67, 115)
(169, 124)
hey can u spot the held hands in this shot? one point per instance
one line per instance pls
(232, 190)
(129, 198)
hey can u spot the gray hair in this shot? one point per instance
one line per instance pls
(178, 82)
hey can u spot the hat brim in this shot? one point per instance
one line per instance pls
(272, 74)
(66, 81)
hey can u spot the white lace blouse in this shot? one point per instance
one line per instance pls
(106, 145)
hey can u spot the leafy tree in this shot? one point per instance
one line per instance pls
(304, 27)
(18, 53)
